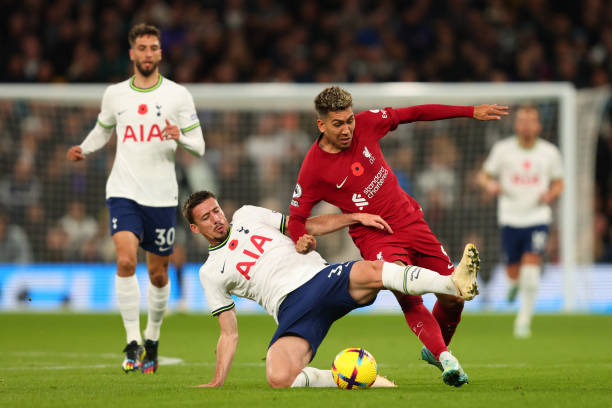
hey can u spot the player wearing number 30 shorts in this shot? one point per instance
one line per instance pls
(151, 117)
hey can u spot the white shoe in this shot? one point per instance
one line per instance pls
(464, 276)
(522, 331)
(453, 374)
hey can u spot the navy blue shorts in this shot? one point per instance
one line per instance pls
(310, 310)
(155, 227)
(518, 241)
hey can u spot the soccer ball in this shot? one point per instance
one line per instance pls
(354, 368)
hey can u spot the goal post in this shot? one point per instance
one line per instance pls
(453, 208)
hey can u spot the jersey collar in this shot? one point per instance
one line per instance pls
(222, 244)
(154, 87)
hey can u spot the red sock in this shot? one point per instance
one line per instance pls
(448, 319)
(422, 323)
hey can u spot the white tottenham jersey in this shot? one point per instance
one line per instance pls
(524, 175)
(144, 163)
(256, 261)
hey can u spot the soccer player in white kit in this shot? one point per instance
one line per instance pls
(151, 116)
(526, 172)
(254, 259)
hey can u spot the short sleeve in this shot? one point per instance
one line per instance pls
(306, 194)
(217, 296)
(187, 115)
(262, 215)
(556, 165)
(106, 117)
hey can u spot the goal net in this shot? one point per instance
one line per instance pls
(256, 137)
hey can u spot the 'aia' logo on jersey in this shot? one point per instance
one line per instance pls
(154, 131)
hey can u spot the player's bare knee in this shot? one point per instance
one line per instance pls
(159, 278)
(126, 265)
(375, 273)
(280, 378)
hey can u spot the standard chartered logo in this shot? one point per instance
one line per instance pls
(376, 182)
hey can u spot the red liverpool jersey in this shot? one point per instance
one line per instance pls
(359, 178)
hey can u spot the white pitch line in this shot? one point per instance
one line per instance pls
(165, 361)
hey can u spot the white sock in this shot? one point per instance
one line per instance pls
(414, 280)
(313, 377)
(529, 282)
(157, 302)
(128, 299)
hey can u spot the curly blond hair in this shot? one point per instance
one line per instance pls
(332, 99)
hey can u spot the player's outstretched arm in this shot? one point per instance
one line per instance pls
(226, 347)
(490, 112)
(327, 223)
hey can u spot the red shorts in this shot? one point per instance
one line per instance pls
(413, 244)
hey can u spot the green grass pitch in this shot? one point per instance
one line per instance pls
(73, 360)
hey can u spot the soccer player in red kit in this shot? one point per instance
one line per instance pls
(346, 168)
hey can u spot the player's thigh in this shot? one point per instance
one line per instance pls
(126, 245)
(286, 357)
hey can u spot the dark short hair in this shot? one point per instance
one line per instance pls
(193, 200)
(332, 99)
(143, 29)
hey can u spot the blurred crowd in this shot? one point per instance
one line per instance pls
(53, 211)
(56, 207)
(223, 41)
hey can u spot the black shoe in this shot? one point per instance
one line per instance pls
(133, 353)
(149, 360)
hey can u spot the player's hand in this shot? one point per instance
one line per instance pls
(75, 153)
(546, 198)
(170, 132)
(493, 188)
(490, 112)
(374, 221)
(305, 244)
(211, 384)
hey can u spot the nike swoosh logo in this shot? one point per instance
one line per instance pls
(121, 112)
(450, 266)
(162, 249)
(341, 184)
(223, 269)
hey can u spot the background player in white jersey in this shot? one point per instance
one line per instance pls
(151, 115)
(526, 173)
(252, 258)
